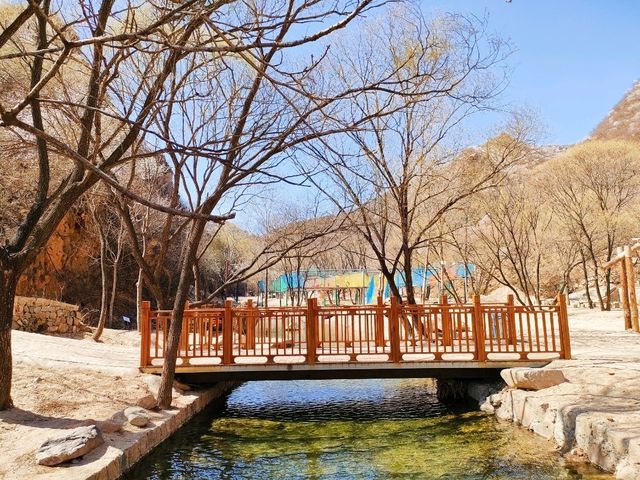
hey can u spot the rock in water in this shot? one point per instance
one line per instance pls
(137, 416)
(73, 444)
(532, 378)
(486, 407)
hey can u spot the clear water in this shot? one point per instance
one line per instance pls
(339, 429)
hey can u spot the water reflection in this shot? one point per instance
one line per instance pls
(366, 429)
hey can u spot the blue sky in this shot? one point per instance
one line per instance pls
(573, 62)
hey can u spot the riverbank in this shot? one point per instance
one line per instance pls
(594, 416)
(61, 383)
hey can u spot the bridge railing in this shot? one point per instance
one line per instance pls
(382, 332)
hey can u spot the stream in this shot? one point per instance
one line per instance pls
(351, 429)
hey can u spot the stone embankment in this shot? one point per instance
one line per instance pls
(589, 406)
(41, 315)
(112, 463)
(84, 411)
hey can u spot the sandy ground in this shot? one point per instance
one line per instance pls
(60, 382)
(601, 336)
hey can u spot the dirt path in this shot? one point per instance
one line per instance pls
(599, 335)
(117, 353)
(59, 383)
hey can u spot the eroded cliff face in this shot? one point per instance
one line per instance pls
(67, 268)
(65, 264)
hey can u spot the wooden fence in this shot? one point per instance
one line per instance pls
(391, 332)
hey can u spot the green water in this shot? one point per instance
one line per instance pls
(364, 429)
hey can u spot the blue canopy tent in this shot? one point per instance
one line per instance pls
(421, 276)
(287, 281)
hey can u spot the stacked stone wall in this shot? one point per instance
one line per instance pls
(42, 315)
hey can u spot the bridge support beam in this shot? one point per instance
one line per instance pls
(449, 390)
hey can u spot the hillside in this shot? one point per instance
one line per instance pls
(623, 122)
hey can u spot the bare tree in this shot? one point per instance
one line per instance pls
(459, 237)
(594, 189)
(245, 113)
(109, 231)
(304, 236)
(225, 254)
(104, 116)
(512, 239)
(396, 176)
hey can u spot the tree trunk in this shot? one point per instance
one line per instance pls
(104, 300)
(393, 288)
(596, 277)
(114, 277)
(186, 275)
(586, 280)
(139, 296)
(196, 282)
(169, 367)
(608, 286)
(408, 277)
(598, 289)
(7, 296)
(416, 324)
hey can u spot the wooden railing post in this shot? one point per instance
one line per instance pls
(478, 330)
(631, 285)
(145, 333)
(511, 321)
(312, 330)
(624, 294)
(447, 337)
(184, 333)
(394, 329)
(379, 323)
(227, 333)
(563, 321)
(250, 332)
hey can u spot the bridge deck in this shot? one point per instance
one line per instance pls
(443, 370)
(441, 341)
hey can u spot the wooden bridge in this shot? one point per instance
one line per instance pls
(370, 341)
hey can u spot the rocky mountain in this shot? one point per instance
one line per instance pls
(623, 122)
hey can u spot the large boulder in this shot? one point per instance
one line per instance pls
(137, 416)
(73, 444)
(532, 378)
